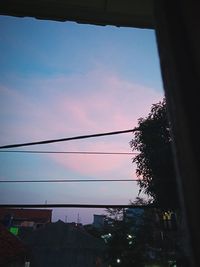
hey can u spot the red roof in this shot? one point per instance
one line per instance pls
(11, 248)
(27, 214)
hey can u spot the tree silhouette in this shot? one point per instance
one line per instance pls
(155, 167)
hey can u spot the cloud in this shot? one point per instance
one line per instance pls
(62, 106)
(97, 165)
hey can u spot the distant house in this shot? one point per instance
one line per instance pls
(98, 220)
(62, 244)
(13, 253)
(34, 218)
(135, 215)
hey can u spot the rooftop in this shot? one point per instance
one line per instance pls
(28, 214)
(11, 248)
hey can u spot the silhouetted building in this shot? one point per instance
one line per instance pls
(61, 244)
(99, 220)
(34, 218)
(13, 253)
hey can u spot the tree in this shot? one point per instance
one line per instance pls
(155, 167)
(149, 243)
(131, 240)
(157, 178)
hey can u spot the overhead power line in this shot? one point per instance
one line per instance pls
(68, 152)
(68, 139)
(69, 180)
(75, 206)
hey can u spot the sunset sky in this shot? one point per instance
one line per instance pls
(63, 79)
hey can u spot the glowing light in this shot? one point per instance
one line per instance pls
(118, 260)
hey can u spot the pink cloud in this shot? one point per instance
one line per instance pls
(96, 165)
(75, 105)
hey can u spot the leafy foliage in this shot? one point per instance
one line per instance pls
(133, 240)
(155, 166)
(116, 214)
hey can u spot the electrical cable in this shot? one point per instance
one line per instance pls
(68, 138)
(76, 206)
(68, 181)
(69, 152)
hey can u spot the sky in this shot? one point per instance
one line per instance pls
(63, 79)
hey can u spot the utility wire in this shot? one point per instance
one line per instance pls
(69, 181)
(68, 138)
(75, 206)
(68, 152)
